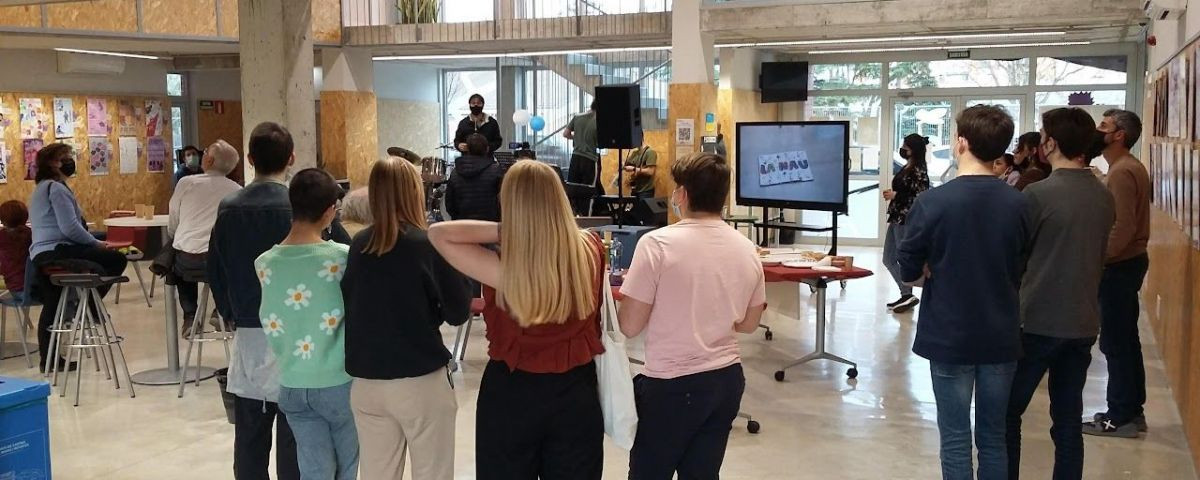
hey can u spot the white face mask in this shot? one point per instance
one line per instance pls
(675, 205)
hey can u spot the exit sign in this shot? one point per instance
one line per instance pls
(952, 54)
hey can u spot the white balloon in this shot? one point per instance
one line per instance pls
(521, 117)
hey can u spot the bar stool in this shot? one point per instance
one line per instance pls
(464, 331)
(199, 335)
(91, 330)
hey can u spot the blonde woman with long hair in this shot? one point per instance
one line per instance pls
(538, 414)
(398, 290)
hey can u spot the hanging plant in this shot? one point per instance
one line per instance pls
(417, 11)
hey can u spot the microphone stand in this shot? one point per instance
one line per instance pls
(620, 187)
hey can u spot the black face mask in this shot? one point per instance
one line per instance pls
(904, 154)
(68, 167)
(476, 110)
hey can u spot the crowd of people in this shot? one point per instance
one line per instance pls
(1018, 283)
(337, 299)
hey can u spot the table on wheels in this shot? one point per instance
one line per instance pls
(170, 374)
(819, 281)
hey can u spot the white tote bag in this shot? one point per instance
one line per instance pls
(615, 377)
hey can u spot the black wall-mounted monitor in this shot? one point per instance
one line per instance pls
(783, 82)
(796, 165)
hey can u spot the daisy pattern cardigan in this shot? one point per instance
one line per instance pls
(302, 312)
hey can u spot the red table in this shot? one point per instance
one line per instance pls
(819, 281)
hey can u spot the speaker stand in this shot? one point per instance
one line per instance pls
(620, 186)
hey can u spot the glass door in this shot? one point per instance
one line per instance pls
(932, 118)
(861, 226)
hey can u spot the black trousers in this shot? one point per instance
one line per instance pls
(111, 261)
(583, 172)
(1066, 360)
(252, 442)
(186, 266)
(539, 425)
(684, 424)
(1119, 340)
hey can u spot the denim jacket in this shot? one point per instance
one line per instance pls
(249, 222)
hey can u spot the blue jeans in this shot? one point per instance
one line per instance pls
(1066, 360)
(1119, 341)
(891, 241)
(953, 386)
(323, 423)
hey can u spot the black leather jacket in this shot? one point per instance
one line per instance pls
(249, 222)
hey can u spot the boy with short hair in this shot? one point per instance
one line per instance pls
(967, 240)
(301, 315)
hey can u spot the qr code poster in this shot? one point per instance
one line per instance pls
(786, 167)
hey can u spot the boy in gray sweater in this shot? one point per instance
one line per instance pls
(1070, 214)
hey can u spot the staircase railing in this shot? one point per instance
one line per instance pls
(639, 81)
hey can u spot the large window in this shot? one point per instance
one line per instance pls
(959, 73)
(1082, 70)
(457, 88)
(843, 76)
(458, 11)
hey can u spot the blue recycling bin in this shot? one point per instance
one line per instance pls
(24, 430)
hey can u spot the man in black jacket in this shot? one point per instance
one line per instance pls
(250, 222)
(478, 122)
(473, 192)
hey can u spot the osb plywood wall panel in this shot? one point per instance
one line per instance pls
(229, 18)
(180, 17)
(686, 100)
(27, 16)
(98, 194)
(227, 125)
(104, 15)
(349, 138)
(408, 124)
(659, 141)
(327, 21)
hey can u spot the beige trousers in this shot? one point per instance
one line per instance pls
(416, 414)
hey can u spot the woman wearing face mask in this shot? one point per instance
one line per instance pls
(189, 163)
(909, 182)
(1029, 162)
(478, 122)
(60, 233)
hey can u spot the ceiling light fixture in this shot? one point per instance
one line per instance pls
(451, 56)
(107, 54)
(911, 38)
(947, 47)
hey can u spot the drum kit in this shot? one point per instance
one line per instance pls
(434, 173)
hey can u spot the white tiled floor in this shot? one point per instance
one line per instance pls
(816, 424)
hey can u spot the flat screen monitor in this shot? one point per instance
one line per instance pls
(783, 82)
(797, 165)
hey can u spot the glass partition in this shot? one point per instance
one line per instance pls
(959, 73)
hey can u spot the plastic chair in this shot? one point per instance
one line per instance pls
(20, 301)
(121, 237)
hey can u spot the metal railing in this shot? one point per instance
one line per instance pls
(386, 12)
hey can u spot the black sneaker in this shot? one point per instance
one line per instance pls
(1139, 420)
(898, 301)
(906, 305)
(1102, 426)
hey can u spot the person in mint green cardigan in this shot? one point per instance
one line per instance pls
(301, 314)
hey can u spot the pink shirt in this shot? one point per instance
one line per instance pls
(700, 276)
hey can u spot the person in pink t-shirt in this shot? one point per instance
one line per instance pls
(691, 286)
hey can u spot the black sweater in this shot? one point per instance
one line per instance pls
(473, 191)
(490, 129)
(395, 304)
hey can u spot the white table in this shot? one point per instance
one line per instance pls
(169, 375)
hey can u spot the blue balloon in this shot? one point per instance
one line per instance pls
(537, 123)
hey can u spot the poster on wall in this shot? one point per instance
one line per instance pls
(97, 117)
(1196, 96)
(127, 120)
(5, 116)
(3, 162)
(64, 118)
(128, 150)
(100, 154)
(154, 118)
(1177, 103)
(29, 149)
(34, 121)
(1195, 179)
(156, 155)
(685, 132)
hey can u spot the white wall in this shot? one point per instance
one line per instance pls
(1173, 35)
(37, 71)
(406, 81)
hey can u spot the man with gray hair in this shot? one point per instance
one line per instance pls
(1125, 266)
(193, 213)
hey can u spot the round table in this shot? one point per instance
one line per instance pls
(170, 374)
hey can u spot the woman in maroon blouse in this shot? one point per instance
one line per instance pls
(538, 414)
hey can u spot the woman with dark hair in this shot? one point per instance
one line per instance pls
(909, 182)
(60, 233)
(1028, 159)
(1005, 169)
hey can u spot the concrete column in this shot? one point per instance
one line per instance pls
(277, 71)
(738, 100)
(692, 94)
(691, 48)
(349, 115)
(506, 104)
